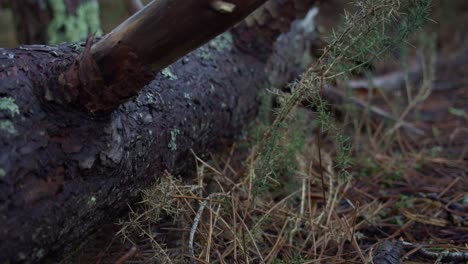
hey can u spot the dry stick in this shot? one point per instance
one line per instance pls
(214, 221)
(228, 161)
(127, 255)
(234, 225)
(153, 240)
(244, 244)
(210, 236)
(267, 213)
(189, 206)
(411, 221)
(220, 257)
(196, 221)
(279, 239)
(396, 80)
(228, 227)
(195, 198)
(252, 240)
(158, 39)
(334, 95)
(352, 237)
(148, 41)
(445, 256)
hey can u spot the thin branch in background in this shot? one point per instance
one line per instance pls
(444, 256)
(414, 74)
(332, 94)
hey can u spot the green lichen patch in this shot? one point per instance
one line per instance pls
(212, 89)
(172, 143)
(9, 104)
(40, 253)
(166, 72)
(203, 53)
(7, 125)
(223, 42)
(2, 173)
(77, 47)
(66, 27)
(92, 201)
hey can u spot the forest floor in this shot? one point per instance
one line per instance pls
(407, 188)
(411, 188)
(407, 185)
(405, 196)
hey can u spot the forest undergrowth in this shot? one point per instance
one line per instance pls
(314, 181)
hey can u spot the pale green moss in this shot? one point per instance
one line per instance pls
(7, 126)
(2, 173)
(203, 53)
(9, 104)
(172, 143)
(223, 42)
(77, 47)
(40, 253)
(212, 89)
(92, 201)
(169, 74)
(73, 27)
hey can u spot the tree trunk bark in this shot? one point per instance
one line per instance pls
(63, 171)
(55, 21)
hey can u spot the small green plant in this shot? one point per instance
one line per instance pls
(279, 158)
(373, 32)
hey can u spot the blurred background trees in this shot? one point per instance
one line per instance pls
(57, 21)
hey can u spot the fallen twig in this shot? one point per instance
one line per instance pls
(196, 221)
(444, 256)
(397, 80)
(127, 255)
(337, 97)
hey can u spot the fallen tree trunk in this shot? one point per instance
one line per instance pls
(63, 171)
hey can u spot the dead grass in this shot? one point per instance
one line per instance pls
(220, 218)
